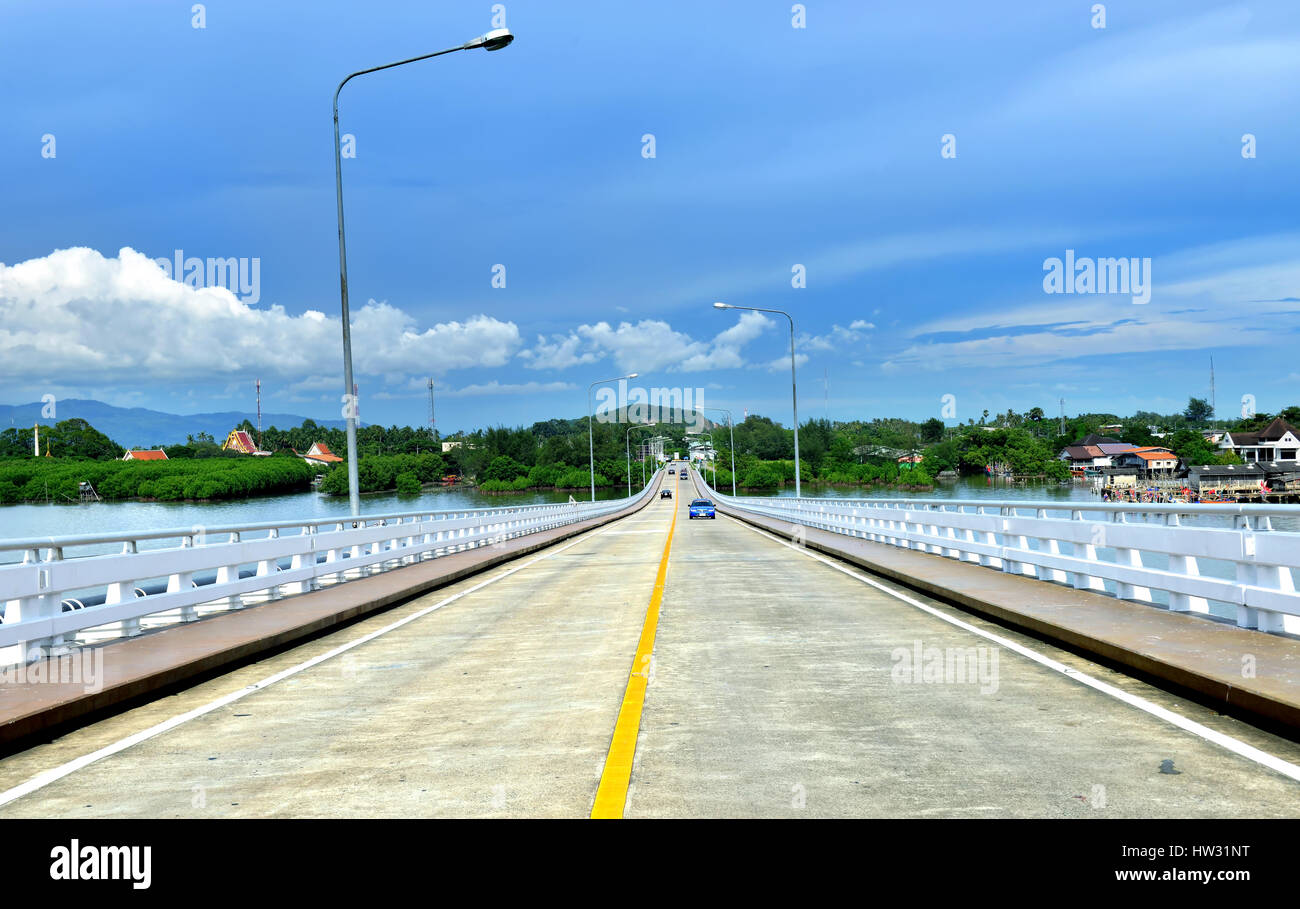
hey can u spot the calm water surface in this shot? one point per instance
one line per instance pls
(28, 521)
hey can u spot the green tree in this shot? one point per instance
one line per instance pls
(1198, 411)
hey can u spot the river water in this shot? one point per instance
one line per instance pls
(20, 522)
(36, 521)
(28, 521)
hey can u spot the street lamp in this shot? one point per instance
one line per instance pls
(627, 444)
(493, 40)
(591, 443)
(732, 425)
(656, 450)
(794, 397)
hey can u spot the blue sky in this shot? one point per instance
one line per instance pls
(775, 146)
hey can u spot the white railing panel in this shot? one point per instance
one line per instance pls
(46, 583)
(1153, 549)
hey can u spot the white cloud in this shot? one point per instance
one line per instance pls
(1237, 294)
(559, 353)
(651, 345)
(782, 364)
(497, 388)
(1130, 330)
(80, 316)
(837, 338)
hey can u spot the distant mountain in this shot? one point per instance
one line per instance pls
(138, 427)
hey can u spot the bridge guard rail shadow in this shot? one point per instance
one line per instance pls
(1254, 673)
(378, 565)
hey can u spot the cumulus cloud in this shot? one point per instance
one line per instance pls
(559, 353)
(838, 338)
(83, 317)
(782, 364)
(651, 345)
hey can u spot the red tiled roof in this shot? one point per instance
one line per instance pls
(321, 452)
(153, 455)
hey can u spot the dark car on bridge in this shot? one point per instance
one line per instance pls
(666, 494)
(702, 508)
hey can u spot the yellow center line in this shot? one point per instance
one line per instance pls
(612, 794)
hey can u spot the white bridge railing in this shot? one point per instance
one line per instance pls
(60, 592)
(1167, 555)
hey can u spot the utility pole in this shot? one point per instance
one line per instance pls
(259, 414)
(433, 423)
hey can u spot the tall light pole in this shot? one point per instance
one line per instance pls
(627, 443)
(794, 396)
(732, 425)
(493, 40)
(591, 439)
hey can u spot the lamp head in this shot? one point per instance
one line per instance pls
(722, 306)
(493, 40)
(633, 375)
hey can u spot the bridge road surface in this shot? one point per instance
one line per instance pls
(772, 693)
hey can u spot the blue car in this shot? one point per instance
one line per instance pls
(702, 508)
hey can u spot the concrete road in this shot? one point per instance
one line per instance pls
(778, 688)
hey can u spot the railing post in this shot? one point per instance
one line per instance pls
(184, 580)
(123, 592)
(267, 568)
(1081, 579)
(229, 574)
(1053, 548)
(1133, 558)
(1247, 616)
(990, 541)
(44, 605)
(302, 560)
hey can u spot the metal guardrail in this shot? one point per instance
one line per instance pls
(54, 594)
(1136, 552)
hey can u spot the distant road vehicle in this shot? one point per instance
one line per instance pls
(702, 508)
(684, 476)
(666, 494)
(672, 470)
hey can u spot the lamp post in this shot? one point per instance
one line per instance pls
(493, 40)
(627, 443)
(591, 439)
(732, 425)
(794, 397)
(657, 444)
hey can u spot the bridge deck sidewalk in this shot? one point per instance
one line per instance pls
(1199, 654)
(140, 666)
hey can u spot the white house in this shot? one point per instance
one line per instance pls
(1278, 441)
